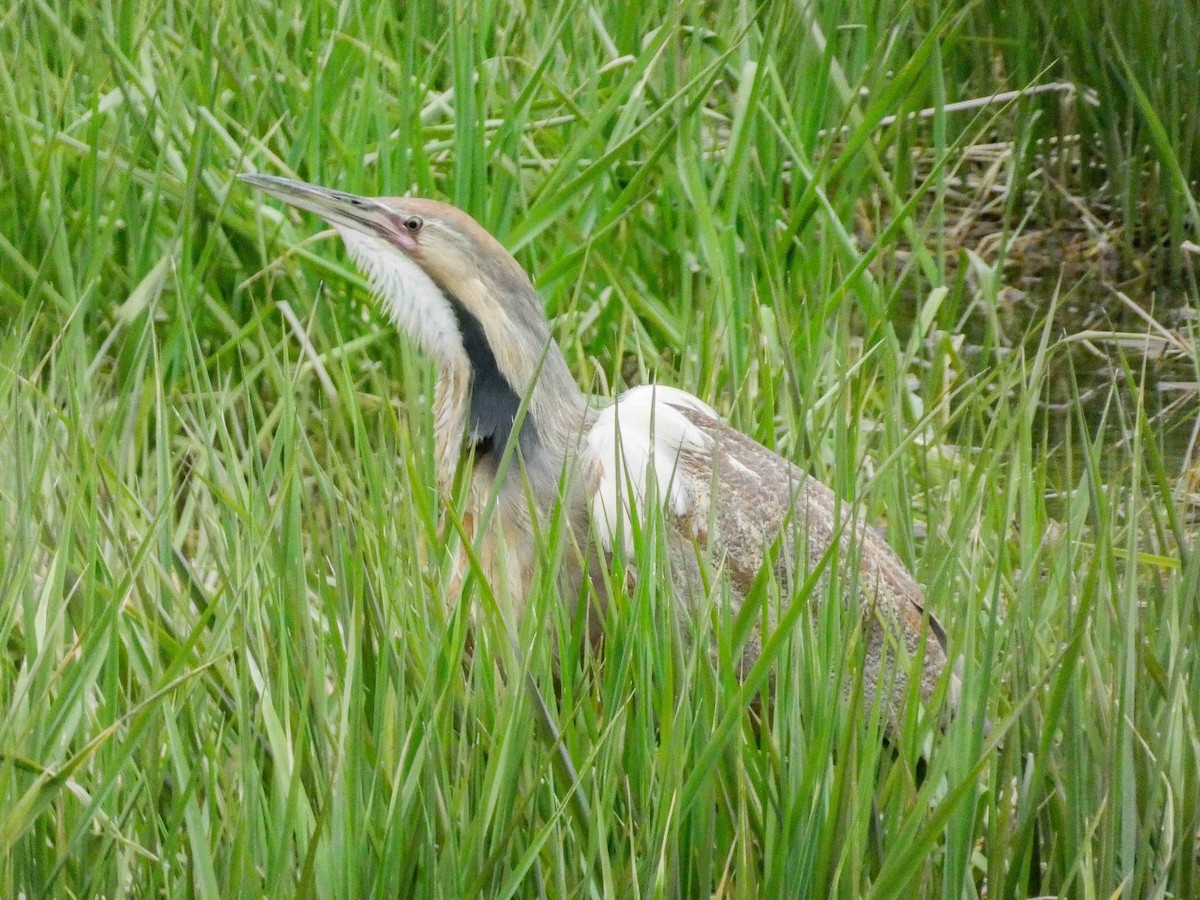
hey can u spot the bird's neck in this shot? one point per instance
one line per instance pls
(480, 413)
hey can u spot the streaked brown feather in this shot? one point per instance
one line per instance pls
(761, 498)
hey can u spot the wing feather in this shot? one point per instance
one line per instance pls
(637, 449)
(737, 498)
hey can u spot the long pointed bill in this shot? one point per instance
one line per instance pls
(336, 207)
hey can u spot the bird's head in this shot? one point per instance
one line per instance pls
(432, 265)
(453, 288)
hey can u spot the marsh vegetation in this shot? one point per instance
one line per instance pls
(228, 668)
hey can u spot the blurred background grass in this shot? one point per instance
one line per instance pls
(228, 665)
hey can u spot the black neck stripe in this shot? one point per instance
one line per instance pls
(494, 403)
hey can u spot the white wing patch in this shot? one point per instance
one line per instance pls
(412, 301)
(643, 432)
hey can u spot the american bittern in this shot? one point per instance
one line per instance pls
(503, 384)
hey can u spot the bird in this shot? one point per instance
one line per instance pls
(507, 408)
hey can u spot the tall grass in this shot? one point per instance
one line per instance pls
(1136, 65)
(229, 666)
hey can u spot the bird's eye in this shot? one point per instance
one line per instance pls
(413, 224)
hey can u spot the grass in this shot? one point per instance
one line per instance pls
(229, 667)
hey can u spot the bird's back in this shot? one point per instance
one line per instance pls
(744, 506)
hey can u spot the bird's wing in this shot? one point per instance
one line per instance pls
(645, 444)
(725, 492)
(660, 442)
(664, 443)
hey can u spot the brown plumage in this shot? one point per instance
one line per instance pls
(503, 383)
